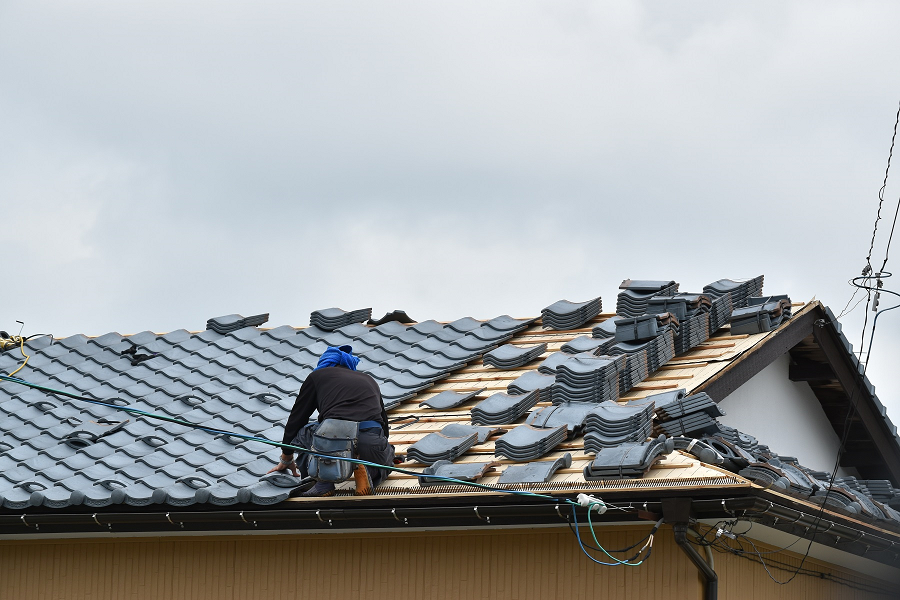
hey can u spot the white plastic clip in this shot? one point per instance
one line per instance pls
(591, 503)
(241, 515)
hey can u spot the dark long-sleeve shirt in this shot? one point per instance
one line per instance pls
(337, 393)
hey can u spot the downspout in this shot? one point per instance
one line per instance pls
(677, 511)
(711, 588)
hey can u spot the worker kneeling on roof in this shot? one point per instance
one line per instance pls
(352, 422)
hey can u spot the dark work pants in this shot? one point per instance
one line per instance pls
(373, 447)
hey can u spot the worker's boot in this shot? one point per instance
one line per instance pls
(322, 488)
(363, 481)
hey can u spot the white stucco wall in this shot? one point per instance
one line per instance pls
(784, 415)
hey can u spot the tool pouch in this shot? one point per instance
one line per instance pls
(339, 439)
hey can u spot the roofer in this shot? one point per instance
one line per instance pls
(344, 397)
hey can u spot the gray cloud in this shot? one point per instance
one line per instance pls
(164, 163)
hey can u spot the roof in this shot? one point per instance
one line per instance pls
(240, 376)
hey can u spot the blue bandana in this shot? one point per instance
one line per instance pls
(338, 357)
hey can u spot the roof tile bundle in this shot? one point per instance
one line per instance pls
(606, 329)
(644, 358)
(693, 331)
(231, 323)
(449, 399)
(461, 429)
(533, 381)
(610, 424)
(500, 408)
(467, 471)
(564, 315)
(719, 313)
(510, 356)
(628, 460)
(762, 315)
(739, 291)
(585, 343)
(645, 327)
(570, 414)
(688, 405)
(632, 300)
(681, 305)
(330, 319)
(526, 443)
(587, 379)
(548, 365)
(535, 472)
(438, 446)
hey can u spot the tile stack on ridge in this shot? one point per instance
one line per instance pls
(690, 416)
(502, 409)
(330, 319)
(693, 331)
(570, 414)
(231, 323)
(533, 381)
(632, 300)
(628, 460)
(587, 379)
(761, 315)
(739, 291)
(645, 327)
(606, 329)
(526, 443)
(510, 356)
(611, 424)
(585, 343)
(644, 358)
(438, 446)
(565, 315)
(681, 305)
(720, 312)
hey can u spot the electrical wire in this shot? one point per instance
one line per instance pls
(756, 556)
(881, 198)
(11, 341)
(599, 562)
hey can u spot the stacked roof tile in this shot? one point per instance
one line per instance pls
(738, 291)
(564, 314)
(510, 356)
(231, 323)
(761, 315)
(635, 295)
(330, 319)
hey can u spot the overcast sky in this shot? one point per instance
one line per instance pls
(162, 163)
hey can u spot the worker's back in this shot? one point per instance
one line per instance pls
(345, 394)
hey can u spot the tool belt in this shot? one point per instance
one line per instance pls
(339, 439)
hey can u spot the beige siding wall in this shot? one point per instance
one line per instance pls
(490, 565)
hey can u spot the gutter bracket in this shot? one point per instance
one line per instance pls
(241, 515)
